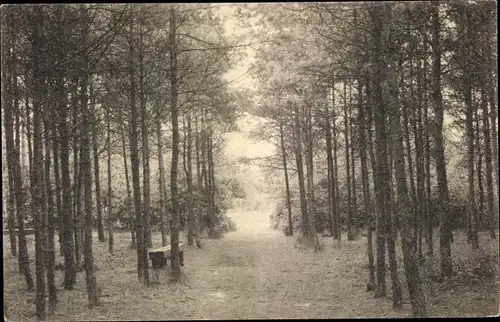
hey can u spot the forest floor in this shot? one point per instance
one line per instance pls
(258, 273)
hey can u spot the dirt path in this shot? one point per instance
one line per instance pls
(256, 272)
(253, 273)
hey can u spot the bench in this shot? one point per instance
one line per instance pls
(159, 256)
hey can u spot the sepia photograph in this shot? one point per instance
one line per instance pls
(248, 161)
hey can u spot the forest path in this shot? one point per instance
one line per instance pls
(252, 273)
(258, 273)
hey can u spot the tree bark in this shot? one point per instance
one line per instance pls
(287, 183)
(161, 181)
(67, 223)
(366, 184)
(95, 150)
(490, 211)
(133, 243)
(350, 235)
(174, 236)
(50, 209)
(110, 187)
(134, 164)
(37, 169)
(443, 199)
(380, 150)
(92, 292)
(7, 88)
(300, 170)
(145, 145)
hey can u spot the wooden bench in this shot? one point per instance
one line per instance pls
(160, 256)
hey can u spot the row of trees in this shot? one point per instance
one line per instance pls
(85, 82)
(389, 80)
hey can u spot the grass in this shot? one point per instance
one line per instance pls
(256, 273)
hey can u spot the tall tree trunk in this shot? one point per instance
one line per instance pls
(95, 150)
(67, 214)
(50, 252)
(365, 180)
(336, 194)
(417, 297)
(134, 163)
(76, 177)
(110, 187)
(92, 292)
(145, 145)
(57, 175)
(133, 243)
(161, 180)
(419, 161)
(329, 161)
(190, 206)
(211, 177)
(13, 161)
(199, 179)
(427, 157)
(174, 236)
(387, 186)
(444, 229)
(7, 88)
(37, 169)
(380, 150)
(478, 217)
(353, 169)
(350, 235)
(287, 183)
(490, 211)
(204, 171)
(300, 170)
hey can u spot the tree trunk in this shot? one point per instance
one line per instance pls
(37, 169)
(353, 169)
(479, 214)
(300, 170)
(490, 211)
(14, 167)
(50, 252)
(7, 88)
(427, 157)
(161, 180)
(336, 194)
(444, 229)
(350, 235)
(204, 171)
(211, 176)
(95, 149)
(199, 180)
(419, 161)
(174, 236)
(310, 172)
(287, 184)
(145, 146)
(76, 178)
(190, 206)
(417, 297)
(134, 164)
(92, 292)
(110, 188)
(366, 184)
(66, 227)
(381, 152)
(133, 243)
